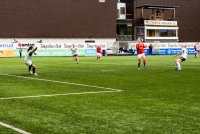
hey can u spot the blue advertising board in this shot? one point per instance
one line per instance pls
(168, 51)
(90, 52)
(190, 50)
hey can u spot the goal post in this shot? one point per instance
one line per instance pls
(116, 47)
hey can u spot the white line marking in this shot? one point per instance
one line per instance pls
(51, 95)
(14, 128)
(21, 97)
(117, 90)
(107, 70)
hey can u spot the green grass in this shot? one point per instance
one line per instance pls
(157, 100)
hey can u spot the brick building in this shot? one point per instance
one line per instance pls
(85, 18)
(58, 19)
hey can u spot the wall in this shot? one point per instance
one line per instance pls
(58, 19)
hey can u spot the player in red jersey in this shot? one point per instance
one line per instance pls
(140, 53)
(98, 52)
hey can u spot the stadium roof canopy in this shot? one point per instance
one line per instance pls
(150, 6)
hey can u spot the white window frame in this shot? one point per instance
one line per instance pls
(102, 0)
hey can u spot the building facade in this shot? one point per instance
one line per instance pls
(187, 16)
(88, 18)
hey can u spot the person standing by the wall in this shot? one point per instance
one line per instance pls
(20, 52)
(150, 49)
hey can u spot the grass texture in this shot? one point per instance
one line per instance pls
(156, 100)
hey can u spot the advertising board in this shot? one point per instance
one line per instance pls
(6, 53)
(85, 49)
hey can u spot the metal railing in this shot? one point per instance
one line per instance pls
(125, 37)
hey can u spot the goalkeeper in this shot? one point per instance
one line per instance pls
(27, 60)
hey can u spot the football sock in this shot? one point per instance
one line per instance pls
(178, 65)
(138, 65)
(144, 62)
(33, 70)
(29, 68)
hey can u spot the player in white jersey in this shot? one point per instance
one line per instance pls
(74, 53)
(183, 57)
(27, 59)
(195, 50)
(198, 49)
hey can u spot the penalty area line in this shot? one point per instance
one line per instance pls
(14, 128)
(52, 95)
(70, 83)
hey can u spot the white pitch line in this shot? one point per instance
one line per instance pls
(84, 85)
(51, 95)
(21, 97)
(14, 128)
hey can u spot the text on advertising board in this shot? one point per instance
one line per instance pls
(6, 46)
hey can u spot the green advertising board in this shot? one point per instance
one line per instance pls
(51, 52)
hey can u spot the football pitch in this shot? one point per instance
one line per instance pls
(109, 96)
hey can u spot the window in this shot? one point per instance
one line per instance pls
(122, 10)
(102, 0)
(140, 31)
(161, 33)
(150, 33)
(118, 13)
(167, 33)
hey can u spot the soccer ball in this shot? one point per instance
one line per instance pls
(35, 53)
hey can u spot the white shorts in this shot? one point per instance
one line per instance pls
(28, 63)
(99, 54)
(141, 55)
